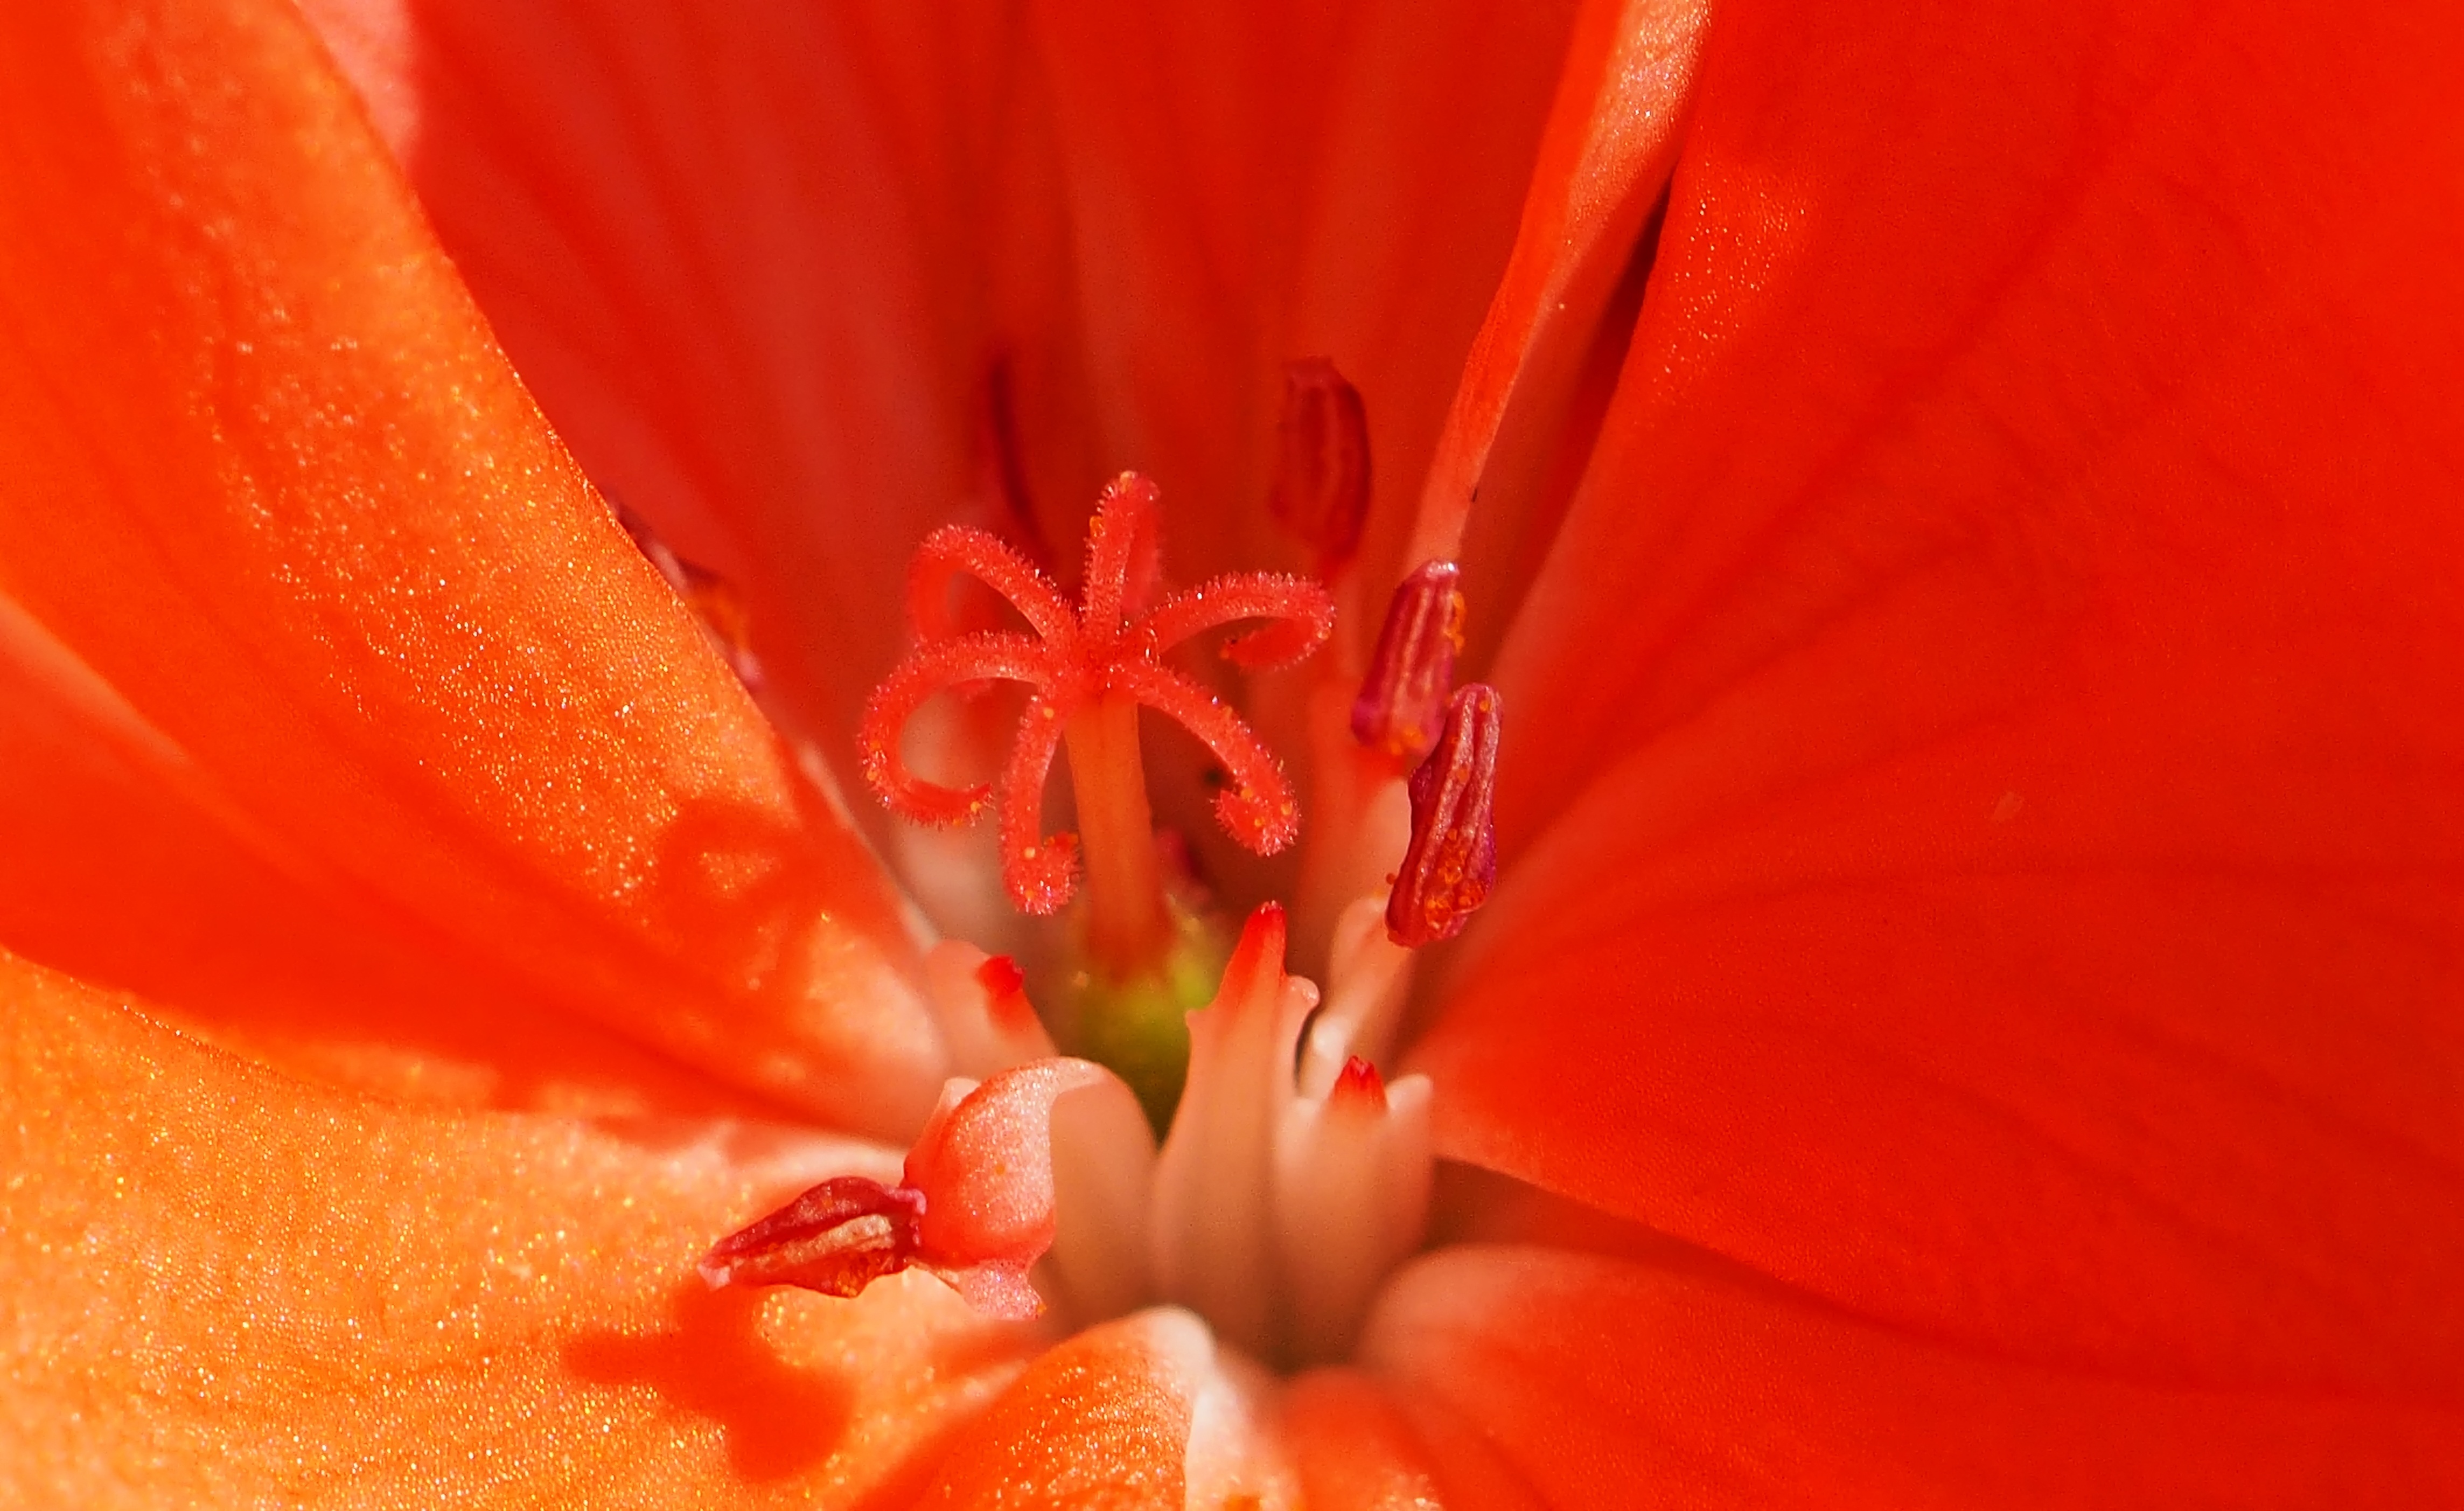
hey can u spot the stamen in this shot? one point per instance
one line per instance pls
(1404, 693)
(836, 1238)
(975, 1204)
(1354, 1199)
(1294, 1177)
(985, 1165)
(1005, 992)
(1215, 1181)
(1368, 975)
(1275, 1209)
(1321, 488)
(1103, 1178)
(1452, 860)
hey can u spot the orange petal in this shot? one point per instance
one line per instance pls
(774, 272)
(125, 867)
(1606, 1383)
(226, 1288)
(1353, 1450)
(2103, 1118)
(1981, 826)
(271, 481)
(1285, 181)
(1944, 360)
(742, 256)
(1100, 1421)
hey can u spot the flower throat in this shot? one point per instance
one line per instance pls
(1292, 1175)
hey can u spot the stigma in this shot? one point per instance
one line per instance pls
(1089, 667)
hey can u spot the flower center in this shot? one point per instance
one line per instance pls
(1292, 1174)
(1144, 957)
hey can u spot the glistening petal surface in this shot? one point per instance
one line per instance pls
(1099, 1423)
(224, 1288)
(126, 864)
(269, 478)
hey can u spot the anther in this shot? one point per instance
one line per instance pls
(1452, 859)
(1321, 488)
(974, 1205)
(1404, 695)
(837, 1238)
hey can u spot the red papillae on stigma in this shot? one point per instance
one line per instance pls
(1109, 647)
(953, 551)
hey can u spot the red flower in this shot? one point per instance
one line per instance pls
(1969, 1008)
